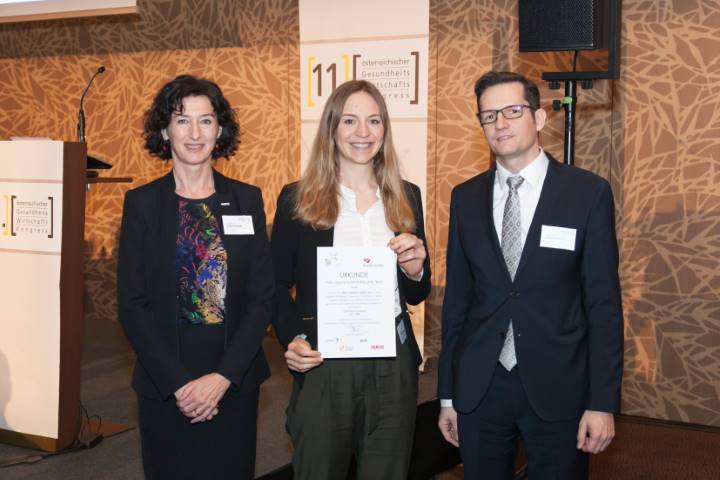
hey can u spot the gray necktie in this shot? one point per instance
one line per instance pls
(511, 243)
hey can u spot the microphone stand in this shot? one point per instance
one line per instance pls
(92, 162)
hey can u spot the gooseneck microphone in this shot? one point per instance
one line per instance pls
(81, 114)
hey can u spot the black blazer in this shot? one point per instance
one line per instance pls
(294, 252)
(147, 297)
(565, 305)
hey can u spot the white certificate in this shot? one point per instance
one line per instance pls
(356, 302)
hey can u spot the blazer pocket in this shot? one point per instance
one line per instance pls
(573, 334)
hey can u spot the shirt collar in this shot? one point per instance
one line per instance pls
(533, 174)
(348, 198)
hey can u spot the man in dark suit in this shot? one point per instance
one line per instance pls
(532, 317)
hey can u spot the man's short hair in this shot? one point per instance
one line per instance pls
(492, 78)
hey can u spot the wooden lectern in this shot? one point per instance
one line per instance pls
(42, 216)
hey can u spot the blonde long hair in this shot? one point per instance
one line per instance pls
(317, 197)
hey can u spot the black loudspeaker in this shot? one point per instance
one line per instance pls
(552, 25)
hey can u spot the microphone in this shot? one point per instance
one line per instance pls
(81, 113)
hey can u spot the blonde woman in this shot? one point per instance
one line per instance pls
(351, 195)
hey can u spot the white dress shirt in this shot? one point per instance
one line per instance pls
(529, 196)
(528, 193)
(353, 229)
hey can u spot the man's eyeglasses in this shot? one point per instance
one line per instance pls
(510, 112)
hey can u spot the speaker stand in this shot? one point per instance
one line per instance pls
(586, 79)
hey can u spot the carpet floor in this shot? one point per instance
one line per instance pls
(642, 450)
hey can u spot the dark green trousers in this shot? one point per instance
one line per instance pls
(361, 407)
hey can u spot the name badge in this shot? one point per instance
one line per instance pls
(238, 225)
(558, 237)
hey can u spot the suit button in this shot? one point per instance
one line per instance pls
(515, 294)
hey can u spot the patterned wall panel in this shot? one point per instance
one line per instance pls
(655, 135)
(669, 99)
(44, 67)
(159, 25)
(470, 38)
(457, 151)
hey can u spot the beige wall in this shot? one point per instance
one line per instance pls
(655, 133)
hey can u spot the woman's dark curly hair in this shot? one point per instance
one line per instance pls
(170, 99)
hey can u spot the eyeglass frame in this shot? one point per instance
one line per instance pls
(500, 111)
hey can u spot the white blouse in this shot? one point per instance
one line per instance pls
(353, 229)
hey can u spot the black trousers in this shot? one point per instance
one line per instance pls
(363, 408)
(222, 448)
(489, 434)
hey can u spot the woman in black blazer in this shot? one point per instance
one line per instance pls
(351, 194)
(195, 285)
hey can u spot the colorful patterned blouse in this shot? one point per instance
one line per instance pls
(200, 264)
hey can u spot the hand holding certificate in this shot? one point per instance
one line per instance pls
(411, 254)
(356, 301)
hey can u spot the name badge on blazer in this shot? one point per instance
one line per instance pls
(558, 237)
(238, 225)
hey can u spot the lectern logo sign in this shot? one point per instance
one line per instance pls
(31, 216)
(27, 217)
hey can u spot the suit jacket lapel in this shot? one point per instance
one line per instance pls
(549, 196)
(324, 238)
(315, 239)
(488, 219)
(224, 204)
(167, 223)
